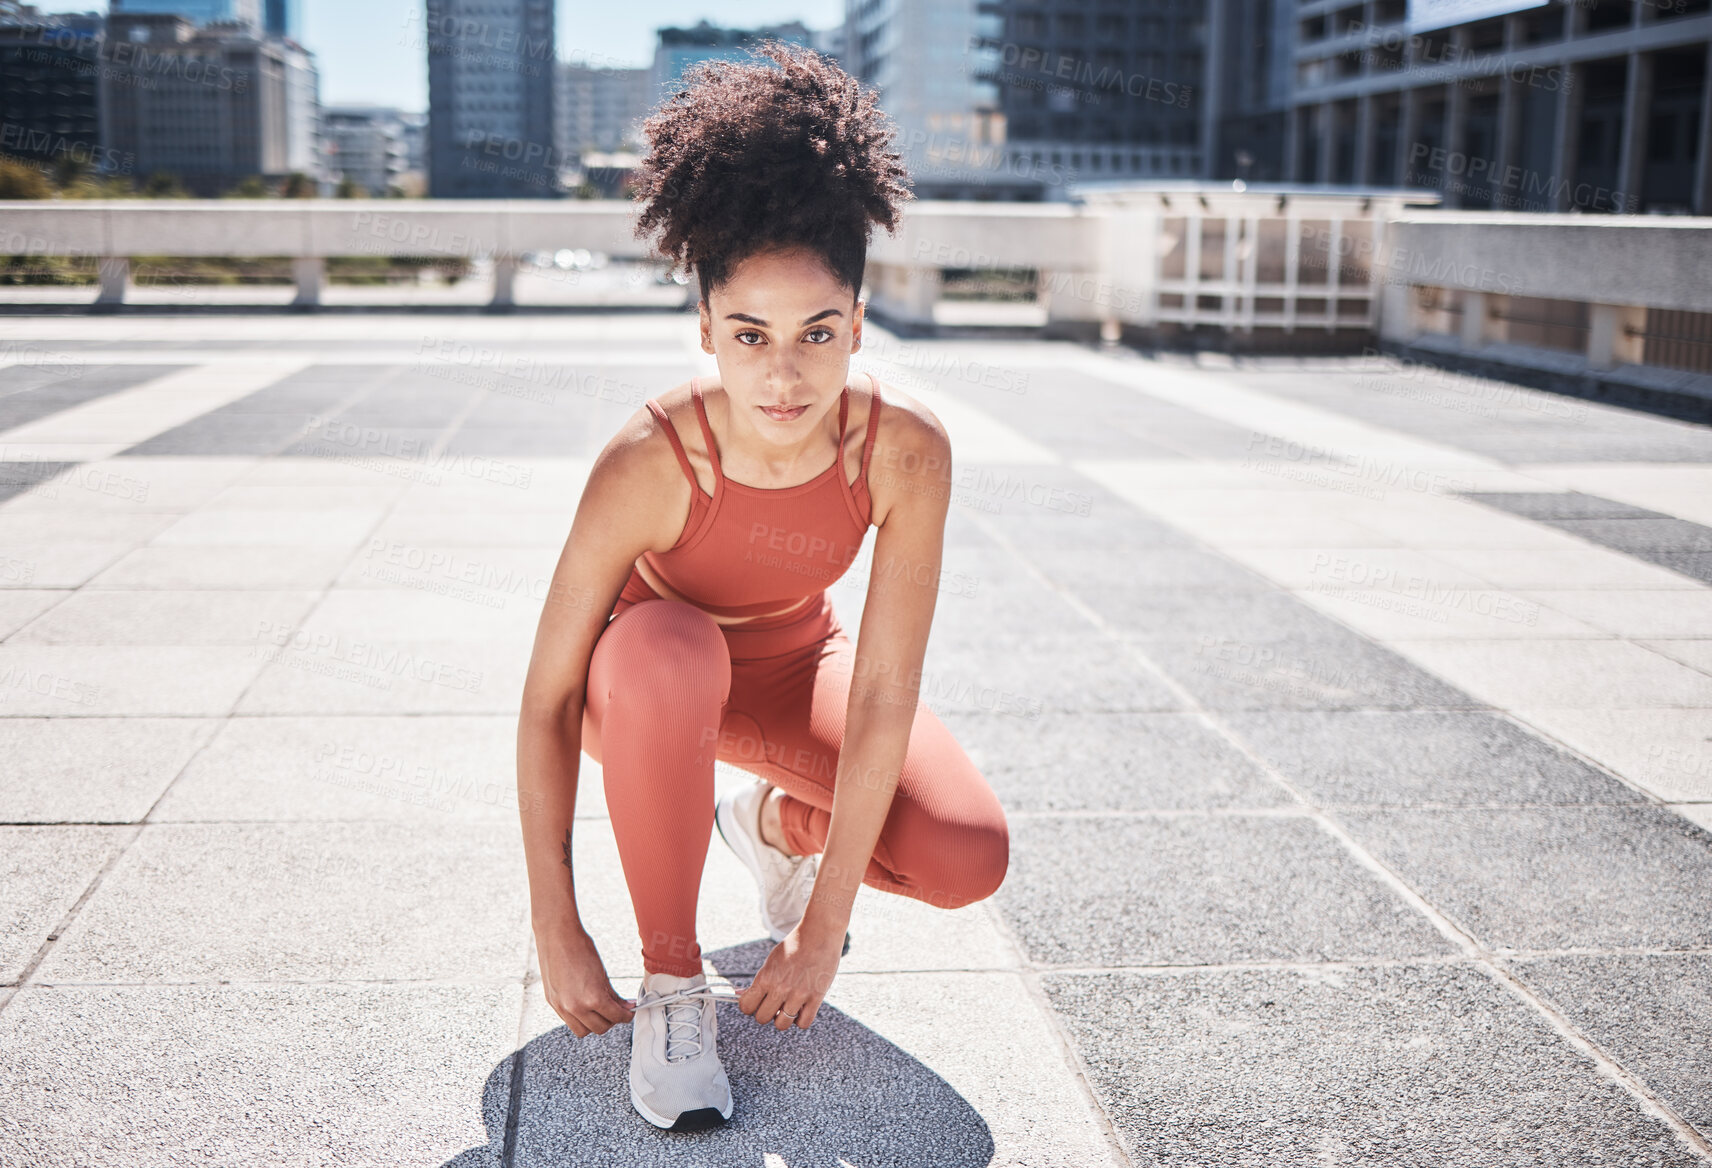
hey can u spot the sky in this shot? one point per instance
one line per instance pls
(370, 51)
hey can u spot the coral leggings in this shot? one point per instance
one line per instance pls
(670, 690)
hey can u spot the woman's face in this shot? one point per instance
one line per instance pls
(782, 329)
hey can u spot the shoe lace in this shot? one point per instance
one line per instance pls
(683, 1014)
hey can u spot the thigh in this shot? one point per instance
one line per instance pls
(785, 721)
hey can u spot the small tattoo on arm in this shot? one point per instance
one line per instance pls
(566, 847)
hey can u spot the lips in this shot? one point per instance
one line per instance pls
(783, 415)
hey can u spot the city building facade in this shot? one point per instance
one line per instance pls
(1105, 89)
(367, 144)
(933, 63)
(1523, 105)
(50, 100)
(491, 100)
(212, 106)
(601, 108)
(283, 18)
(676, 49)
(198, 12)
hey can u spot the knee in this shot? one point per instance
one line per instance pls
(665, 649)
(972, 863)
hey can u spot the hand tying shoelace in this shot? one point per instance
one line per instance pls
(710, 990)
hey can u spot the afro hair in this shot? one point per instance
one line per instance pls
(755, 155)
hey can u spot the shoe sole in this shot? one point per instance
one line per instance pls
(753, 863)
(695, 1119)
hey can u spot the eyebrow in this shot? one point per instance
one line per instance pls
(743, 316)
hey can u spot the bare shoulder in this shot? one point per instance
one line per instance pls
(912, 453)
(635, 479)
(906, 424)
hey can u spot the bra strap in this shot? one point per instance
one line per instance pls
(873, 428)
(843, 413)
(706, 430)
(655, 408)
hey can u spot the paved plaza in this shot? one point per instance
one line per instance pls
(1354, 723)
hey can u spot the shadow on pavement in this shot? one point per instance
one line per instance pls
(834, 1094)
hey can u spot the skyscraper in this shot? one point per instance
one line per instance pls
(491, 80)
(198, 12)
(284, 18)
(676, 49)
(213, 106)
(933, 81)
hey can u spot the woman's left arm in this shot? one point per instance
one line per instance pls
(909, 485)
(909, 482)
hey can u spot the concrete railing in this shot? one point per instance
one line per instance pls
(1155, 259)
(1162, 256)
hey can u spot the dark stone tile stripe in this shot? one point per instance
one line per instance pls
(1652, 536)
(30, 392)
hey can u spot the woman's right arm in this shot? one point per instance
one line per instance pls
(625, 509)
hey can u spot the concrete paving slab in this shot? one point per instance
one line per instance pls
(19, 606)
(311, 1075)
(159, 617)
(1024, 675)
(1063, 761)
(398, 614)
(1633, 612)
(334, 674)
(43, 871)
(303, 902)
(250, 526)
(87, 681)
(913, 1086)
(55, 565)
(1198, 889)
(111, 770)
(1328, 667)
(223, 568)
(81, 525)
(1520, 878)
(534, 529)
(437, 771)
(133, 485)
(1418, 609)
(1389, 1066)
(1414, 757)
(1563, 568)
(1692, 649)
(1573, 674)
(1651, 1012)
(1667, 753)
(1207, 615)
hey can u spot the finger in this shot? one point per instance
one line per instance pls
(809, 1010)
(750, 1000)
(769, 1006)
(614, 1011)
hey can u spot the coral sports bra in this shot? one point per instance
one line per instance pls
(748, 551)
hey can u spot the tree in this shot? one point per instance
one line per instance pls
(349, 188)
(164, 184)
(251, 188)
(298, 186)
(20, 180)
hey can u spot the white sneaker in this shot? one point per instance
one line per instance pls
(786, 881)
(676, 1079)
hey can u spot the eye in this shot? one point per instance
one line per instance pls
(750, 333)
(826, 335)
